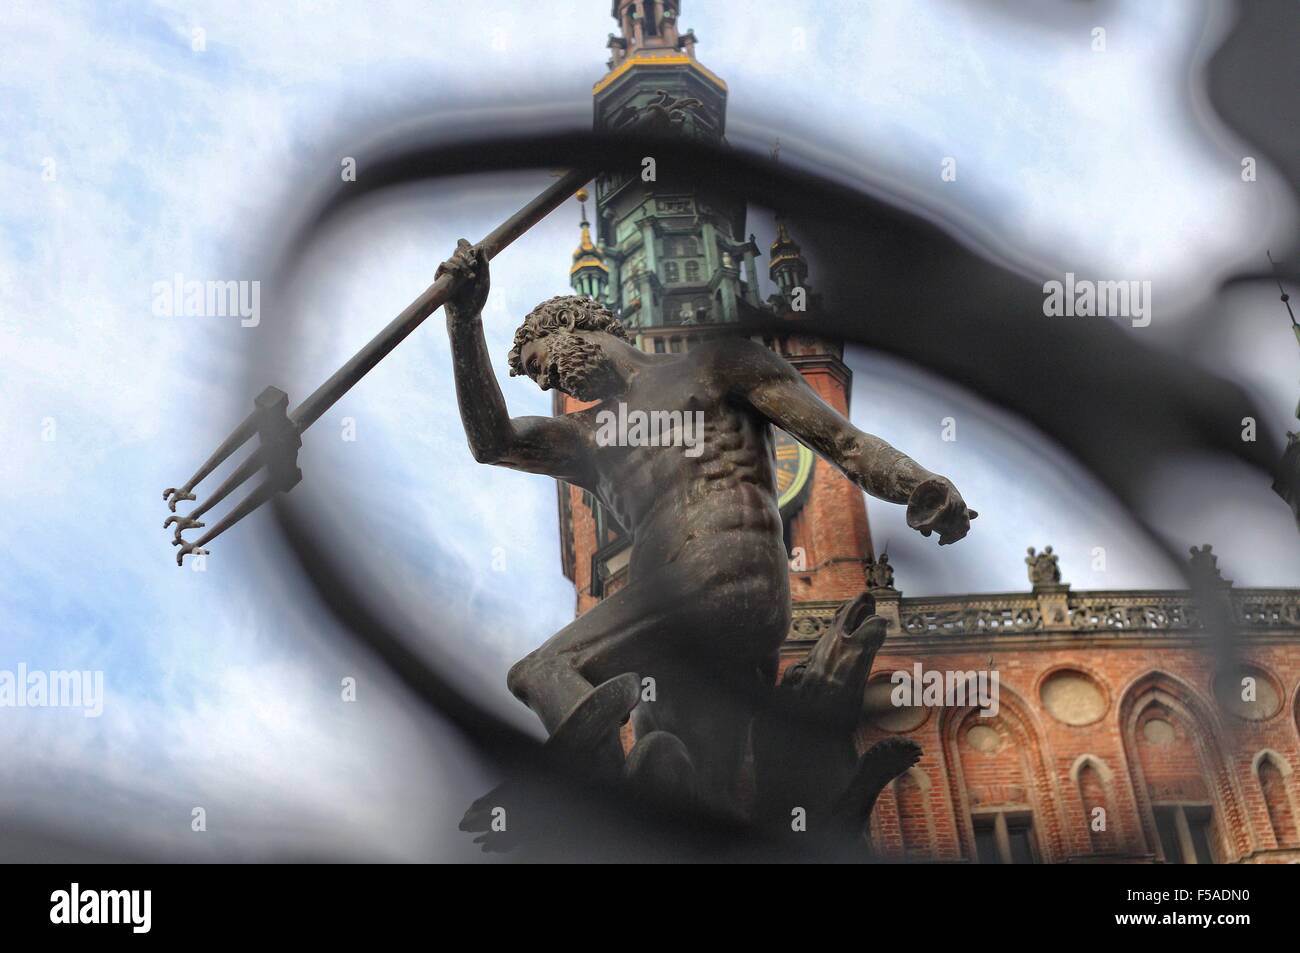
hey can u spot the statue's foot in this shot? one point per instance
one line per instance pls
(660, 768)
(585, 743)
(879, 764)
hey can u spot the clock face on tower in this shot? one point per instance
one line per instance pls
(794, 466)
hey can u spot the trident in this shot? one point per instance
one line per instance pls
(279, 430)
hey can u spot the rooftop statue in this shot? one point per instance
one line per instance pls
(1044, 569)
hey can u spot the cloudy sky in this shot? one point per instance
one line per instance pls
(141, 141)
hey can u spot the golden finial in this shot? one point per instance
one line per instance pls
(586, 255)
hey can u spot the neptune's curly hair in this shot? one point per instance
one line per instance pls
(562, 313)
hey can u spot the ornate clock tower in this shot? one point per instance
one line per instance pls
(676, 266)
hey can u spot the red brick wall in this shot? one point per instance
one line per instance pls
(582, 525)
(915, 830)
(832, 526)
(1040, 761)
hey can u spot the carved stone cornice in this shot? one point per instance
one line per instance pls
(1054, 616)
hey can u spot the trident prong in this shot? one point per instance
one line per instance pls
(182, 522)
(277, 452)
(173, 496)
(280, 432)
(237, 439)
(187, 549)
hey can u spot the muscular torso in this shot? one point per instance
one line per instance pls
(719, 506)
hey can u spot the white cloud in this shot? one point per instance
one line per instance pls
(170, 159)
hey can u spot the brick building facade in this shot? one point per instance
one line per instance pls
(1121, 732)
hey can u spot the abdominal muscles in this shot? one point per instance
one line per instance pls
(717, 504)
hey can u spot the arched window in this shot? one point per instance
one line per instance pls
(1271, 772)
(999, 785)
(915, 826)
(1093, 780)
(1187, 816)
(997, 776)
(692, 270)
(671, 274)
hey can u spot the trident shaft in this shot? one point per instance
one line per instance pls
(279, 430)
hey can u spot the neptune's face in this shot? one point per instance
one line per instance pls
(573, 362)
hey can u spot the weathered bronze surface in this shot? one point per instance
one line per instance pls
(707, 603)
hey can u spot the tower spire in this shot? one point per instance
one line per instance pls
(787, 267)
(589, 274)
(674, 262)
(647, 25)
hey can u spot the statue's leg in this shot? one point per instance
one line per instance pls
(547, 681)
(585, 744)
(660, 769)
(710, 708)
(626, 632)
(703, 650)
(584, 681)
